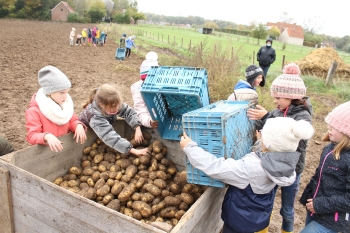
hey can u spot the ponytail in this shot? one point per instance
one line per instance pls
(91, 98)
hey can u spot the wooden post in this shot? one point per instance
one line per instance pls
(231, 52)
(201, 46)
(283, 59)
(331, 73)
(189, 47)
(6, 212)
(253, 57)
(158, 36)
(174, 40)
(182, 42)
(214, 50)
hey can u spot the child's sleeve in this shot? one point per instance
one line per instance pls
(74, 121)
(130, 116)
(34, 127)
(140, 106)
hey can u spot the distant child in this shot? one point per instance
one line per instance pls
(71, 36)
(5, 146)
(102, 38)
(102, 109)
(245, 90)
(249, 199)
(89, 36)
(97, 36)
(78, 39)
(93, 34)
(83, 35)
(289, 93)
(327, 196)
(104, 42)
(130, 42)
(51, 111)
(139, 103)
(122, 41)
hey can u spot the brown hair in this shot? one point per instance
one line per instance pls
(297, 102)
(344, 144)
(106, 95)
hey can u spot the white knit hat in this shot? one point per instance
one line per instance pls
(52, 80)
(282, 134)
(153, 56)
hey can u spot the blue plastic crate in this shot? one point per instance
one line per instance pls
(223, 129)
(120, 54)
(171, 91)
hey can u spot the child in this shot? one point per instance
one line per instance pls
(5, 146)
(102, 38)
(327, 196)
(78, 39)
(104, 41)
(97, 36)
(129, 44)
(83, 35)
(93, 34)
(245, 90)
(139, 104)
(288, 91)
(51, 111)
(122, 41)
(71, 36)
(102, 109)
(89, 36)
(248, 202)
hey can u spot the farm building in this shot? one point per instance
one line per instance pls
(61, 11)
(290, 33)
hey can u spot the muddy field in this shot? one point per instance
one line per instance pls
(27, 46)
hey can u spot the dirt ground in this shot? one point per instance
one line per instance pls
(28, 46)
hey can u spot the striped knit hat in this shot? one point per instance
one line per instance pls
(289, 84)
(339, 118)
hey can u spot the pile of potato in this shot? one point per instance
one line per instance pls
(149, 189)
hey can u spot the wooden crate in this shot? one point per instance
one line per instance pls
(30, 202)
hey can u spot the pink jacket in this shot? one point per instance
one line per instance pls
(37, 125)
(139, 104)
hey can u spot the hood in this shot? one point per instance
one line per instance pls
(298, 108)
(269, 39)
(33, 101)
(279, 166)
(243, 84)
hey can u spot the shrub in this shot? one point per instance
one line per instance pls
(77, 19)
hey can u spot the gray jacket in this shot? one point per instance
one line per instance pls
(102, 125)
(298, 112)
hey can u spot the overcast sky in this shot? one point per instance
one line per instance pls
(333, 15)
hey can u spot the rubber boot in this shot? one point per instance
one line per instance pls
(266, 230)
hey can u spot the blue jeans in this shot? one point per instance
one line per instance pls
(312, 226)
(265, 69)
(288, 196)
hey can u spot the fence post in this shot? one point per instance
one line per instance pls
(168, 39)
(214, 50)
(190, 44)
(331, 73)
(283, 59)
(253, 57)
(231, 52)
(182, 42)
(158, 36)
(174, 40)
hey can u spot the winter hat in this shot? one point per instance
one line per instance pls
(289, 84)
(73, 29)
(133, 37)
(124, 35)
(151, 60)
(252, 72)
(52, 80)
(153, 56)
(269, 40)
(282, 134)
(339, 118)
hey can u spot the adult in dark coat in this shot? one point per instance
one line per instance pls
(266, 56)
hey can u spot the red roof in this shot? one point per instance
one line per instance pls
(293, 30)
(66, 5)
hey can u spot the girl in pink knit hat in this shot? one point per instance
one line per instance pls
(327, 196)
(289, 93)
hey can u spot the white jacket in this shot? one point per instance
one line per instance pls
(140, 105)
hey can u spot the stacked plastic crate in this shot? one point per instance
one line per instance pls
(170, 91)
(223, 129)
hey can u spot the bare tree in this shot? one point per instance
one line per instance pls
(286, 19)
(313, 24)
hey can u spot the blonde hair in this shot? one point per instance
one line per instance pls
(106, 95)
(344, 144)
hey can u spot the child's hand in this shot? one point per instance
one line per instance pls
(80, 134)
(138, 135)
(53, 142)
(154, 124)
(184, 140)
(140, 152)
(310, 206)
(257, 113)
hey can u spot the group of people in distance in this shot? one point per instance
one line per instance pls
(88, 37)
(277, 160)
(128, 44)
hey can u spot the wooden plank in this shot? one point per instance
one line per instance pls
(6, 211)
(204, 215)
(60, 208)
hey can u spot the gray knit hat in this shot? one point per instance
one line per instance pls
(52, 80)
(252, 72)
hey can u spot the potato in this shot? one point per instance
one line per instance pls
(99, 141)
(84, 158)
(87, 150)
(131, 171)
(145, 160)
(73, 183)
(88, 171)
(180, 178)
(156, 200)
(93, 152)
(106, 164)
(104, 175)
(94, 167)
(108, 198)
(154, 190)
(172, 201)
(83, 191)
(84, 178)
(160, 183)
(101, 148)
(157, 146)
(136, 162)
(187, 188)
(144, 174)
(112, 175)
(125, 178)
(137, 215)
(103, 191)
(64, 184)
(156, 208)
(196, 195)
(168, 212)
(90, 182)
(58, 181)
(136, 197)
(147, 197)
(124, 163)
(98, 158)
(99, 184)
(110, 157)
(95, 176)
(114, 204)
(110, 182)
(134, 143)
(83, 185)
(161, 175)
(114, 168)
(128, 212)
(165, 193)
(172, 169)
(69, 177)
(174, 188)
(153, 167)
(94, 146)
(140, 182)
(127, 191)
(183, 206)
(142, 167)
(174, 221)
(144, 143)
(150, 147)
(161, 167)
(165, 162)
(119, 175)
(159, 156)
(152, 175)
(159, 219)
(147, 136)
(186, 197)
(74, 189)
(142, 207)
(116, 189)
(164, 150)
(102, 168)
(85, 164)
(129, 204)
